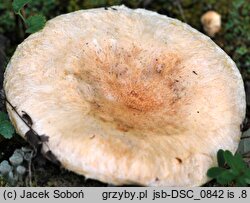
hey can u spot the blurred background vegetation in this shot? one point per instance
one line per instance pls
(234, 38)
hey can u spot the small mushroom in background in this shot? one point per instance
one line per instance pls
(128, 96)
(5, 168)
(211, 22)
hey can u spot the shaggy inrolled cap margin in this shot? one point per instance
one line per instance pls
(128, 96)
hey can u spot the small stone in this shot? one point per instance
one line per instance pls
(16, 159)
(19, 151)
(5, 167)
(20, 170)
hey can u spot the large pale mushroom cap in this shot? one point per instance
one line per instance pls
(128, 96)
